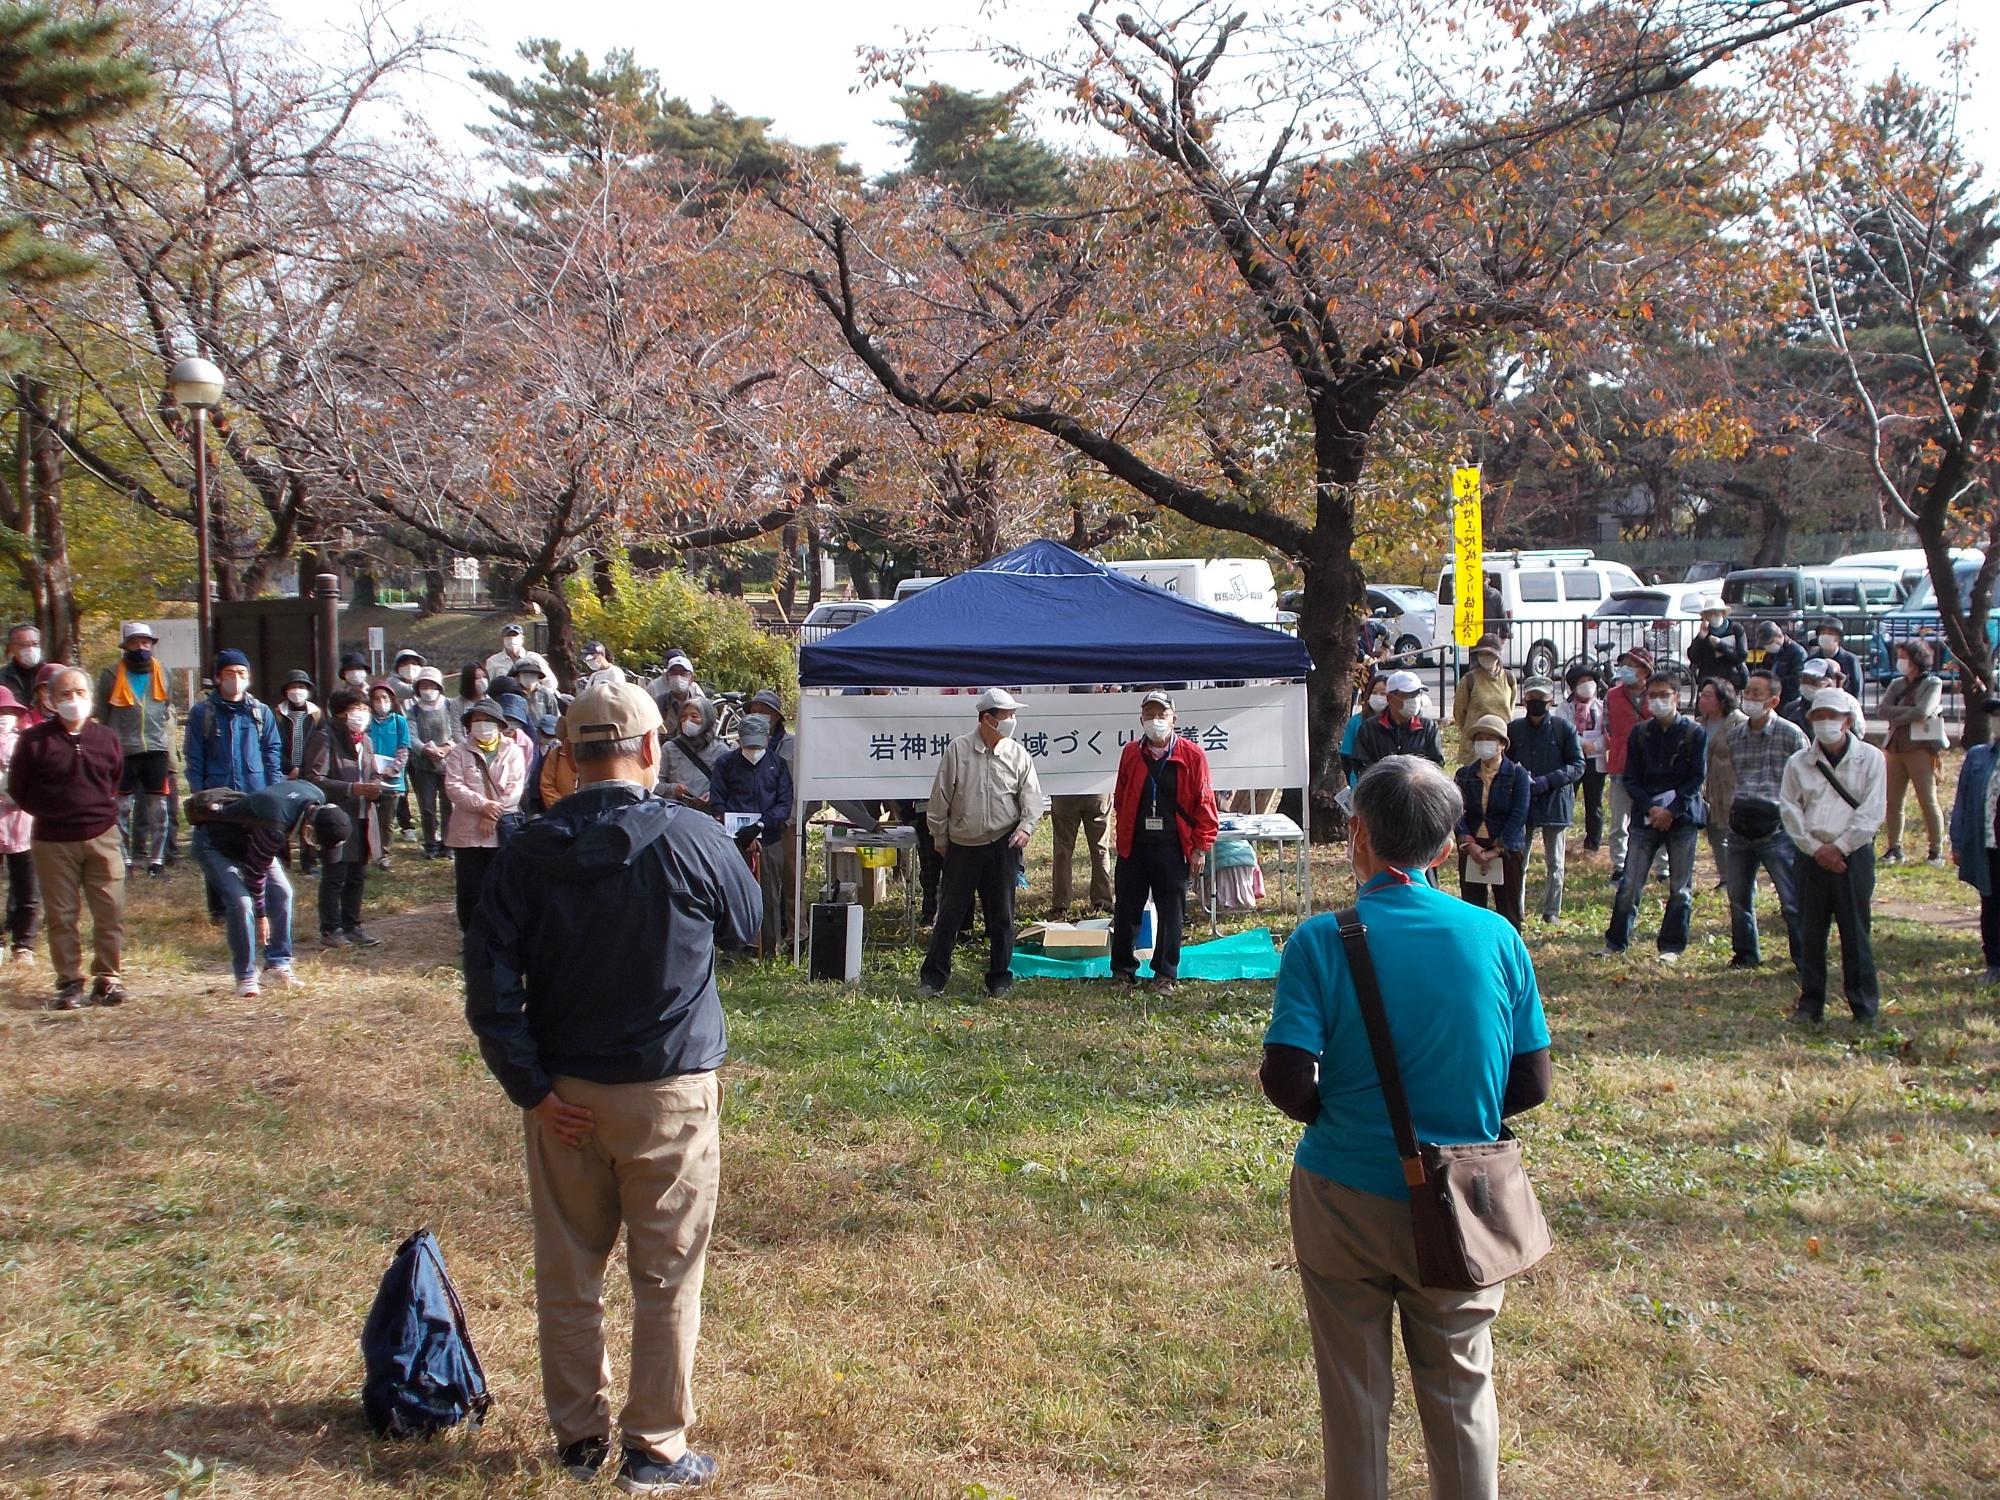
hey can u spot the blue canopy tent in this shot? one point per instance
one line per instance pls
(1046, 615)
(1040, 616)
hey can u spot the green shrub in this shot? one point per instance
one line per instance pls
(649, 615)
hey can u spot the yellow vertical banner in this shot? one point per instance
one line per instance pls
(1468, 548)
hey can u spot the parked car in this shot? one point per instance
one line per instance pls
(1799, 597)
(1664, 620)
(1711, 571)
(1411, 615)
(1240, 586)
(909, 588)
(837, 614)
(1546, 596)
(1918, 617)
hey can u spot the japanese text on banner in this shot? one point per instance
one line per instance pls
(1468, 549)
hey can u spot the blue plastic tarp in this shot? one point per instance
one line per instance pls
(1241, 955)
(1042, 616)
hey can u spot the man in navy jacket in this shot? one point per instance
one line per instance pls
(607, 1032)
(1664, 768)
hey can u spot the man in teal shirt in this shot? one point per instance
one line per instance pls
(1465, 1016)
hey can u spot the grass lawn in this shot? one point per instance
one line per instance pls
(1034, 1248)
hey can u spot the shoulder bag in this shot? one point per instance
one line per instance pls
(1472, 1207)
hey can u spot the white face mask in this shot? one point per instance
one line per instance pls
(1585, 691)
(1758, 708)
(427, 695)
(1829, 731)
(73, 710)
(1662, 708)
(1486, 749)
(1004, 728)
(1377, 703)
(357, 719)
(1829, 644)
(407, 672)
(486, 735)
(752, 753)
(29, 656)
(1159, 731)
(690, 727)
(1809, 690)
(296, 697)
(677, 682)
(355, 679)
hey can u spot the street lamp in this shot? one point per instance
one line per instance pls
(197, 385)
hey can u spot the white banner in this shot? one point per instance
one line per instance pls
(882, 747)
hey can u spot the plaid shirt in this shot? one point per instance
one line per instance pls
(1759, 756)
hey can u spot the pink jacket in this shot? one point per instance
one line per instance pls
(16, 827)
(470, 788)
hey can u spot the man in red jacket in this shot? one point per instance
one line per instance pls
(1166, 826)
(65, 774)
(1624, 711)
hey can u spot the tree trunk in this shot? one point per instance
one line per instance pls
(432, 602)
(55, 600)
(785, 581)
(814, 551)
(1776, 538)
(554, 603)
(1329, 624)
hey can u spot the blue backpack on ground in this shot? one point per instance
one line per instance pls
(422, 1375)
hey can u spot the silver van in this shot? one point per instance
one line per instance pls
(1797, 597)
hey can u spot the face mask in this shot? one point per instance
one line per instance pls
(1159, 731)
(29, 656)
(1486, 749)
(1662, 708)
(1715, 622)
(10, 724)
(232, 688)
(690, 727)
(74, 710)
(138, 657)
(357, 720)
(1403, 707)
(1808, 691)
(677, 682)
(1829, 644)
(1909, 668)
(752, 753)
(407, 673)
(355, 678)
(1829, 731)
(512, 646)
(1585, 691)
(296, 697)
(596, 663)
(383, 710)
(486, 736)
(1759, 709)
(427, 696)
(1538, 708)
(530, 683)
(1377, 703)
(1004, 728)
(1627, 675)
(479, 687)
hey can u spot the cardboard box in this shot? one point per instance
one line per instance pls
(1066, 940)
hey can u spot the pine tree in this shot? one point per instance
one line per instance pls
(58, 75)
(974, 143)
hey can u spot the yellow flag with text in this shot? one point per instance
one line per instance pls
(1468, 546)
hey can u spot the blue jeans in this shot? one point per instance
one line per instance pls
(225, 878)
(1777, 856)
(1643, 841)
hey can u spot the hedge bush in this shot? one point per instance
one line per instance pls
(648, 615)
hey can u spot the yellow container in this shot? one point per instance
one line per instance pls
(877, 859)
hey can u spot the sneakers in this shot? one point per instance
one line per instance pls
(999, 989)
(107, 992)
(361, 938)
(582, 1459)
(1164, 986)
(641, 1474)
(156, 869)
(69, 996)
(1670, 958)
(248, 989)
(1936, 861)
(1892, 856)
(383, 864)
(333, 940)
(929, 991)
(281, 976)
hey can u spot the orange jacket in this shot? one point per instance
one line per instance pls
(1197, 820)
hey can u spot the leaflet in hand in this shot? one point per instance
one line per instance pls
(386, 768)
(1477, 873)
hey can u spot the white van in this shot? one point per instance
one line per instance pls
(1907, 563)
(1546, 596)
(1241, 586)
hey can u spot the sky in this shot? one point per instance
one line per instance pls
(795, 61)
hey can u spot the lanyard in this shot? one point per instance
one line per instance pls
(1153, 769)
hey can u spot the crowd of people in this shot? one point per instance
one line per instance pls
(1761, 746)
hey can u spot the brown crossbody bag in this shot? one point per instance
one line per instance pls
(1472, 1207)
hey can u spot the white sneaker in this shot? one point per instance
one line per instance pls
(281, 976)
(246, 989)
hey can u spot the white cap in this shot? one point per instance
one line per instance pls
(132, 628)
(997, 698)
(1405, 682)
(1817, 666)
(1838, 700)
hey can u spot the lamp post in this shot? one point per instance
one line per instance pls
(197, 385)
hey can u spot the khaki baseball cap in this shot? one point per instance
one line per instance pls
(610, 711)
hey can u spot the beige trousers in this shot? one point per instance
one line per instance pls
(90, 870)
(652, 1163)
(1358, 1259)
(1914, 768)
(1093, 815)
